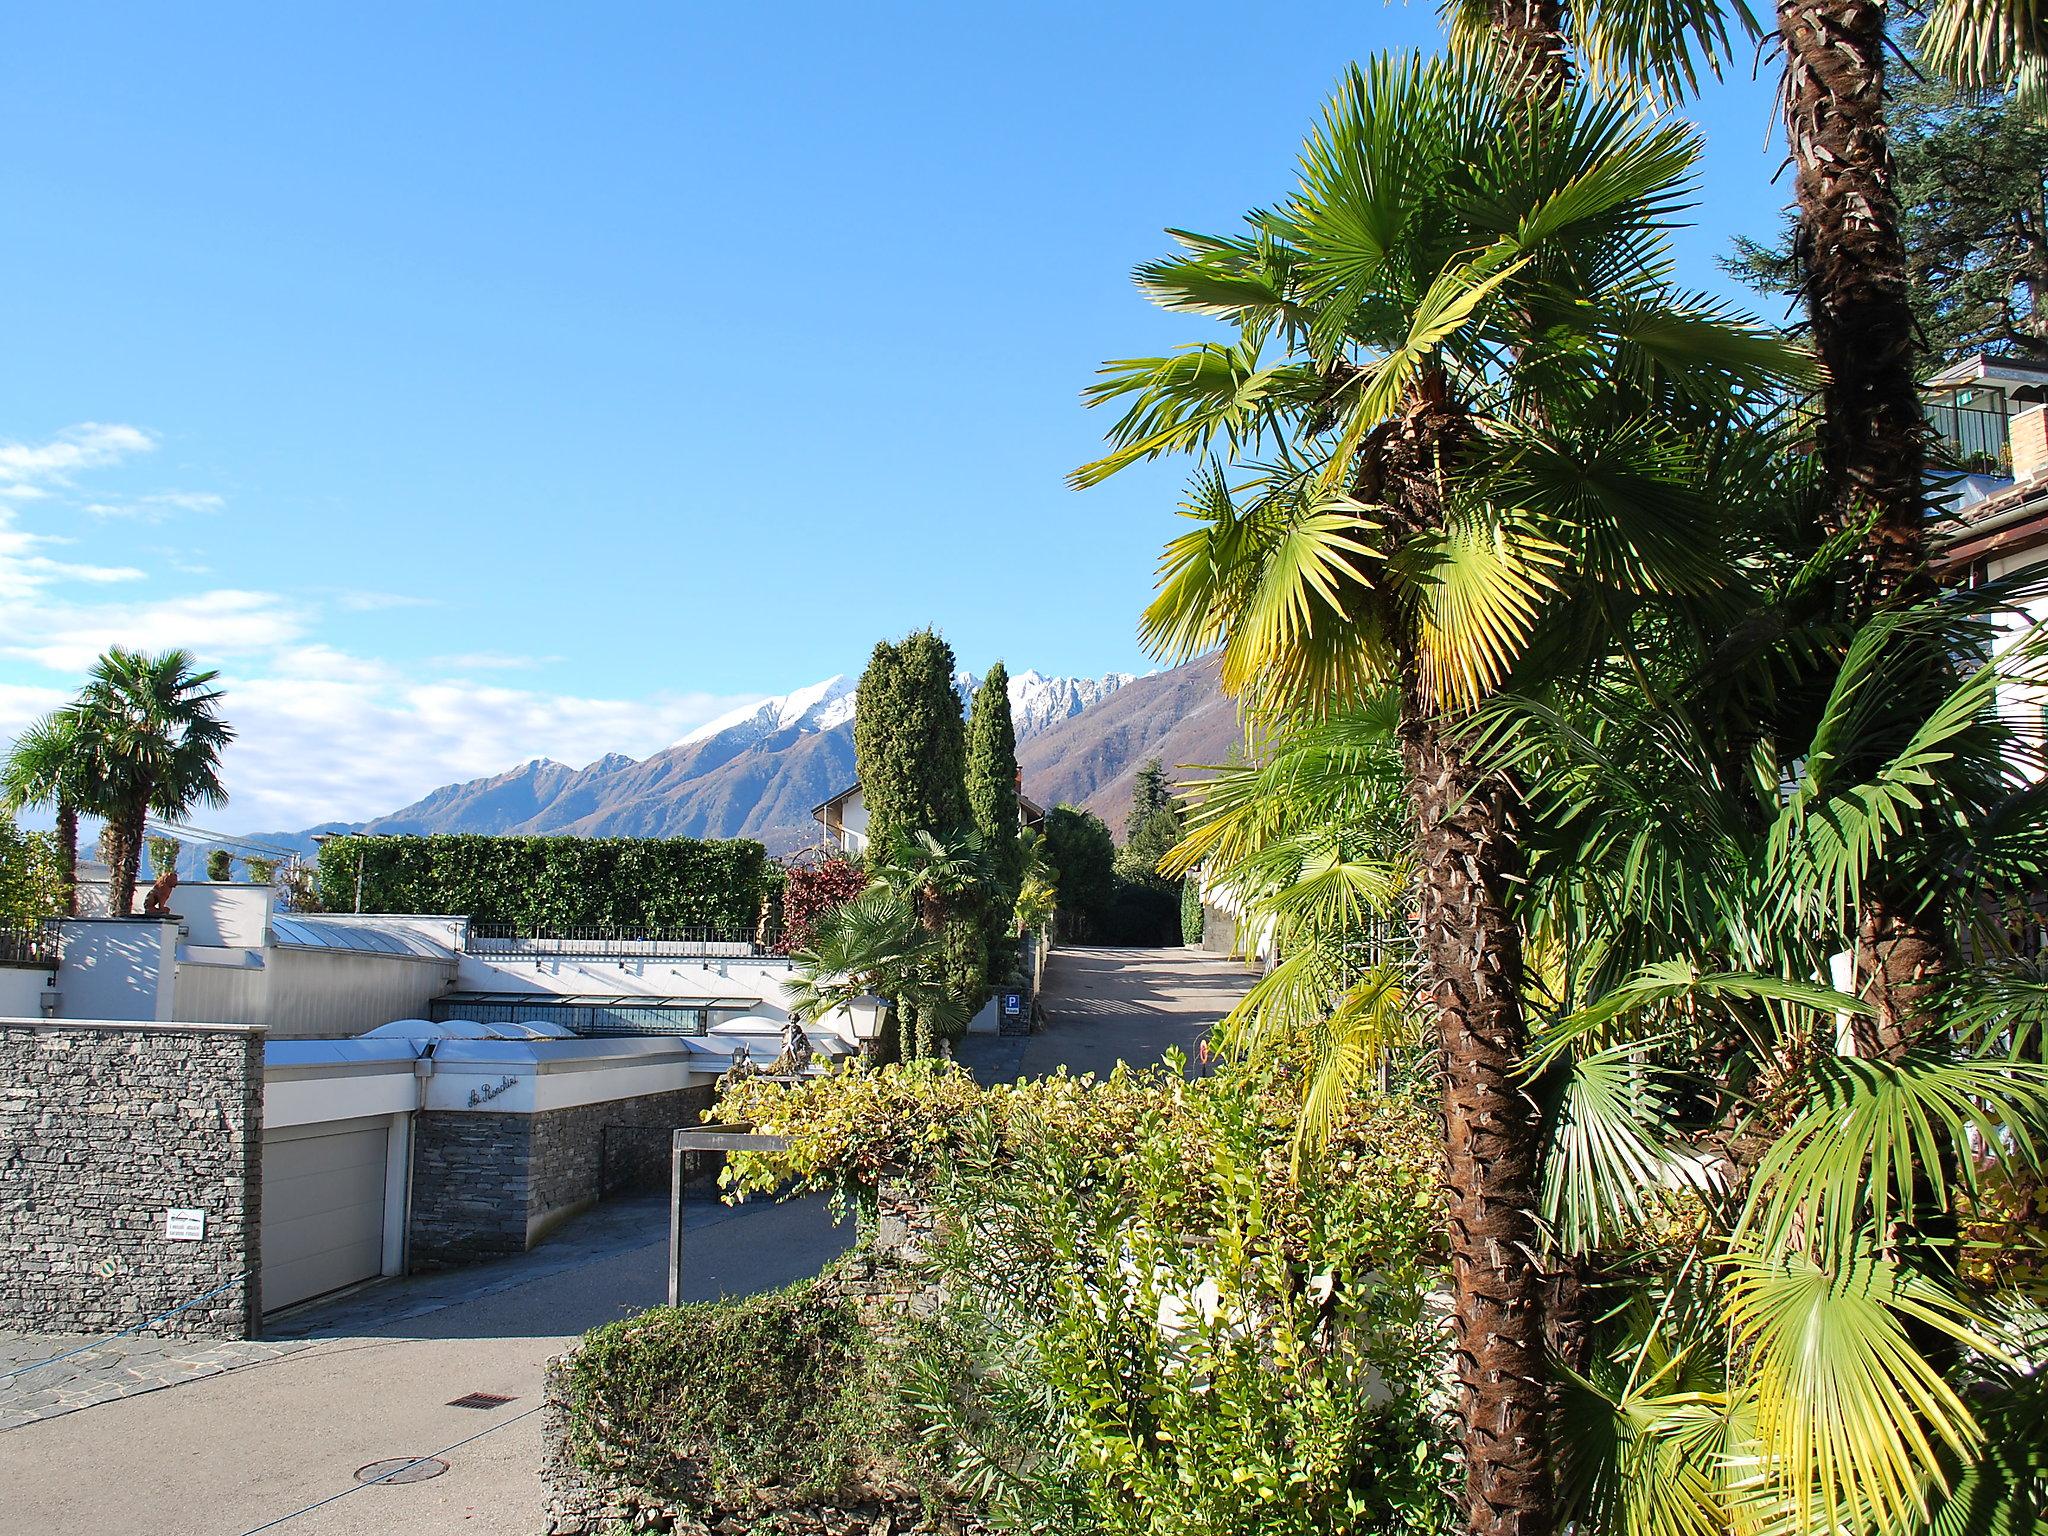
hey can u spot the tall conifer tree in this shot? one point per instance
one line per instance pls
(909, 743)
(992, 773)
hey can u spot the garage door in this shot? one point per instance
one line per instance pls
(323, 1210)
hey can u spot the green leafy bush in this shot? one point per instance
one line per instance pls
(552, 882)
(1191, 911)
(716, 1400)
(1158, 1320)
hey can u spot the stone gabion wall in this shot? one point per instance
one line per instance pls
(469, 1187)
(600, 1149)
(104, 1128)
(482, 1182)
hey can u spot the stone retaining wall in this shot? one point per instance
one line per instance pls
(485, 1185)
(105, 1127)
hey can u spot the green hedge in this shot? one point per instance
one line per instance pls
(552, 882)
(1191, 911)
(715, 1401)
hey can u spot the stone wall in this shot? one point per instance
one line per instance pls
(486, 1184)
(104, 1127)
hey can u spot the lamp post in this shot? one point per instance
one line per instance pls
(866, 1013)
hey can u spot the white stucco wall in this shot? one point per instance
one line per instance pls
(2025, 706)
(21, 990)
(227, 915)
(117, 968)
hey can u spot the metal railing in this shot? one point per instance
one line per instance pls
(591, 1020)
(30, 944)
(504, 941)
(1971, 439)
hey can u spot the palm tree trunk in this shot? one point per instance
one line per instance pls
(1471, 955)
(1852, 257)
(1532, 40)
(1872, 432)
(119, 902)
(127, 853)
(1470, 949)
(67, 856)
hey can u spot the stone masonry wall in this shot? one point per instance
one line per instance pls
(592, 1150)
(469, 1187)
(104, 1128)
(484, 1184)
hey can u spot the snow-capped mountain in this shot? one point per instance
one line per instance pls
(1038, 703)
(816, 708)
(754, 772)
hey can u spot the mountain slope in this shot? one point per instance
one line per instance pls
(1180, 717)
(756, 772)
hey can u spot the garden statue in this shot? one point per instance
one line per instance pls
(157, 903)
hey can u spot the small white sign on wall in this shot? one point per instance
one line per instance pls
(184, 1226)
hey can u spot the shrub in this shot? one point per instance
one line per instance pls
(718, 1400)
(811, 890)
(1191, 911)
(552, 882)
(1157, 1321)
(220, 865)
(163, 855)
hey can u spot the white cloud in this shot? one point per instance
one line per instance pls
(89, 445)
(488, 661)
(350, 745)
(25, 571)
(65, 637)
(322, 734)
(380, 602)
(156, 506)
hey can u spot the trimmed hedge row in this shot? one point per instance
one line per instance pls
(552, 882)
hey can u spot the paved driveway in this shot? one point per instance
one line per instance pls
(1104, 1005)
(249, 1449)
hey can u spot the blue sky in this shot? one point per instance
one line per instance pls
(479, 383)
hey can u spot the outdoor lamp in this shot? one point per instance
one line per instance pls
(865, 1012)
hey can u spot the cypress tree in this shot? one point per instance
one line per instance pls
(909, 743)
(992, 796)
(992, 773)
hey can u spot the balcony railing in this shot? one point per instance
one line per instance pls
(31, 944)
(1971, 439)
(502, 941)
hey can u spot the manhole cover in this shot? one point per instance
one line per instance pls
(405, 1469)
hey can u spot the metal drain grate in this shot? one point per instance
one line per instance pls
(402, 1469)
(479, 1400)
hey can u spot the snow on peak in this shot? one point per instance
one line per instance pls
(818, 707)
(1038, 703)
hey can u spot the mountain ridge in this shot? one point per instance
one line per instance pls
(759, 770)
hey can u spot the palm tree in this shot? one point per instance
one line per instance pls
(1800, 1360)
(878, 943)
(54, 763)
(1479, 402)
(1992, 43)
(160, 733)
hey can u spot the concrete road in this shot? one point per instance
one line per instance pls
(1105, 1005)
(262, 1447)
